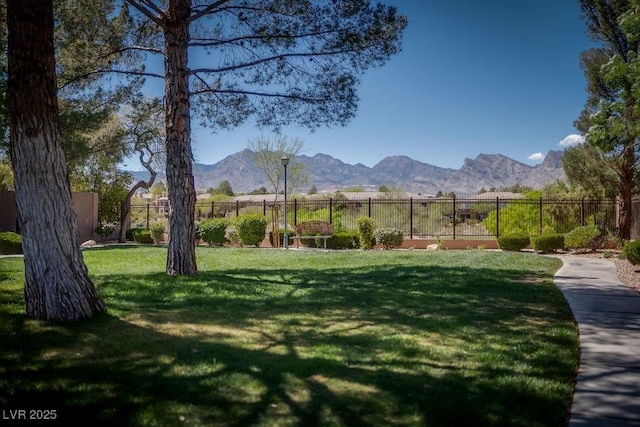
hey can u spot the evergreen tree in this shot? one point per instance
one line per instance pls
(610, 119)
(277, 62)
(57, 284)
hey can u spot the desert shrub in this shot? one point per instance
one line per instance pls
(586, 237)
(344, 240)
(105, 230)
(142, 235)
(513, 241)
(214, 231)
(631, 251)
(157, 232)
(366, 233)
(10, 243)
(251, 228)
(548, 243)
(389, 237)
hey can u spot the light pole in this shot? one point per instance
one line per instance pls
(285, 237)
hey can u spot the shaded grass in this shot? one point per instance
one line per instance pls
(269, 337)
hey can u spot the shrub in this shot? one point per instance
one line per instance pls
(365, 232)
(586, 237)
(344, 240)
(157, 232)
(548, 243)
(214, 231)
(105, 230)
(251, 229)
(513, 241)
(142, 235)
(128, 235)
(10, 243)
(389, 237)
(631, 251)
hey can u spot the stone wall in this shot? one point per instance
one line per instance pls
(85, 204)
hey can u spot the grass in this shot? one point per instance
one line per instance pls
(279, 338)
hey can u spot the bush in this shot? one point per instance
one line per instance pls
(631, 251)
(128, 235)
(10, 243)
(365, 232)
(105, 230)
(251, 229)
(548, 243)
(389, 237)
(142, 235)
(590, 237)
(513, 241)
(157, 232)
(344, 240)
(214, 231)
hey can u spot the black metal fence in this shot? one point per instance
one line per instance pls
(418, 218)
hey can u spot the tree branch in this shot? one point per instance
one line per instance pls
(259, 94)
(147, 8)
(206, 10)
(268, 59)
(90, 73)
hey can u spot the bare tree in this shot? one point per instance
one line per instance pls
(267, 156)
(57, 284)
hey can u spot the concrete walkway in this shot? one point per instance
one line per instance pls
(607, 392)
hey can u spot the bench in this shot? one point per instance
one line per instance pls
(313, 230)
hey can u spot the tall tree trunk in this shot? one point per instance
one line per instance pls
(181, 257)
(627, 172)
(57, 285)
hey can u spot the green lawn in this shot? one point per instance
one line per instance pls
(273, 337)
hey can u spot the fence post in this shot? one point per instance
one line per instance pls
(237, 208)
(411, 218)
(330, 210)
(264, 207)
(369, 207)
(540, 217)
(295, 212)
(497, 217)
(454, 217)
(582, 212)
(148, 213)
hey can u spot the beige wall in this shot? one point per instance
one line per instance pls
(85, 204)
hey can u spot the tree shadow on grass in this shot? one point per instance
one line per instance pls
(300, 347)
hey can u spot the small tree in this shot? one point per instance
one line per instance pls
(223, 188)
(146, 138)
(366, 231)
(267, 156)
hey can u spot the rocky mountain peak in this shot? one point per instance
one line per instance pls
(329, 174)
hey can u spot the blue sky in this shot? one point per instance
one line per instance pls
(494, 76)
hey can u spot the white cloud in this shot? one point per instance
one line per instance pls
(536, 156)
(572, 140)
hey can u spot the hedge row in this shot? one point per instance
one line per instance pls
(590, 237)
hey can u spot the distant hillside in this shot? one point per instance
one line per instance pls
(330, 174)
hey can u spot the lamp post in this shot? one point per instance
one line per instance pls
(285, 237)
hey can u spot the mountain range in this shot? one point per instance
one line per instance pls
(330, 174)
